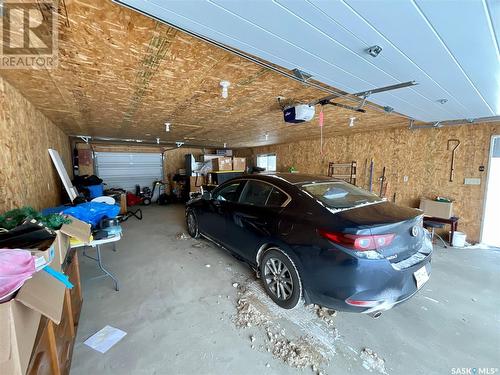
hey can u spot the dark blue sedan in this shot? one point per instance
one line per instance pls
(318, 239)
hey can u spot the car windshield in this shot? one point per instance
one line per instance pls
(339, 194)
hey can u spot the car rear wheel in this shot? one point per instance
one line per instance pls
(281, 278)
(192, 224)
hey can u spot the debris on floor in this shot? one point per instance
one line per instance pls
(297, 347)
(182, 236)
(325, 314)
(295, 353)
(371, 361)
(248, 315)
(199, 245)
(235, 285)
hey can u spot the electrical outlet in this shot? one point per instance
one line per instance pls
(405, 178)
(472, 181)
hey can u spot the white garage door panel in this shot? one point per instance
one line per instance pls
(125, 170)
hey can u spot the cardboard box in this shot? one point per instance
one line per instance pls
(123, 204)
(20, 317)
(45, 257)
(222, 164)
(443, 210)
(196, 182)
(239, 164)
(40, 295)
(78, 229)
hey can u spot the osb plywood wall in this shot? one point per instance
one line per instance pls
(27, 176)
(421, 155)
(174, 158)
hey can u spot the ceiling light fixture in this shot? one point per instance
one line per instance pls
(374, 51)
(442, 101)
(225, 85)
(167, 127)
(351, 121)
(266, 136)
(225, 145)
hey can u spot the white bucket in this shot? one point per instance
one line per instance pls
(459, 239)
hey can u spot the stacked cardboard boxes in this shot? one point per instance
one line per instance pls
(40, 295)
(239, 164)
(226, 163)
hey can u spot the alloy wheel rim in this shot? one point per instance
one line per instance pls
(278, 278)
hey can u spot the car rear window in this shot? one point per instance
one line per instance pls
(276, 198)
(339, 194)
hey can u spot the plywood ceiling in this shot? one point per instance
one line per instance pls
(123, 75)
(451, 48)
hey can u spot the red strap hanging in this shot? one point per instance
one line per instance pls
(321, 119)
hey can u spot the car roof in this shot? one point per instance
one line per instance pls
(291, 178)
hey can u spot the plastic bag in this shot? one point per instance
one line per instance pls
(93, 212)
(16, 266)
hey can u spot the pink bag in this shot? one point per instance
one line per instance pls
(16, 266)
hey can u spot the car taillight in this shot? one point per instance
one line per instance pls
(360, 303)
(359, 242)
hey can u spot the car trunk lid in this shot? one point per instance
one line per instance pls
(388, 218)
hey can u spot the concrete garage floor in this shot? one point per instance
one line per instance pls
(179, 313)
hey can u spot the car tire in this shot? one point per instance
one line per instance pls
(281, 278)
(192, 224)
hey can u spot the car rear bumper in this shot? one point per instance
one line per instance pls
(334, 277)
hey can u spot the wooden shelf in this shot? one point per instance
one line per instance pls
(349, 177)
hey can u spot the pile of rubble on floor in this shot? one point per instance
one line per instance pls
(325, 314)
(248, 315)
(372, 361)
(182, 236)
(295, 352)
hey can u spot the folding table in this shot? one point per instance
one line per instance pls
(97, 244)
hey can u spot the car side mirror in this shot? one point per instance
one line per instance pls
(206, 195)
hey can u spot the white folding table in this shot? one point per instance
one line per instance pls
(97, 244)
